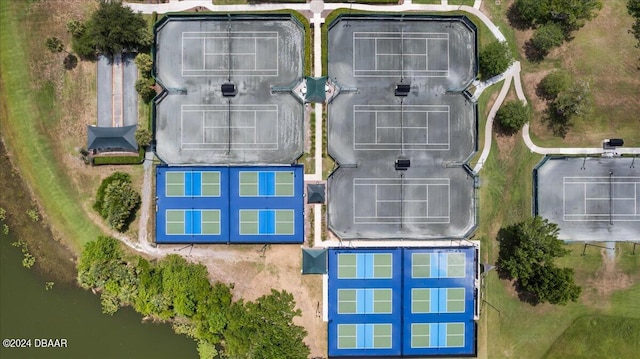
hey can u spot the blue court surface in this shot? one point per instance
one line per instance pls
(402, 301)
(230, 204)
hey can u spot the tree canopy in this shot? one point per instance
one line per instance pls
(116, 200)
(567, 100)
(176, 290)
(527, 253)
(495, 58)
(570, 14)
(544, 39)
(111, 29)
(512, 115)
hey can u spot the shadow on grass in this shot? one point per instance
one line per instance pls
(516, 21)
(534, 53)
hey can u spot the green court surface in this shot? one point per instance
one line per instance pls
(365, 301)
(266, 183)
(186, 184)
(431, 335)
(373, 336)
(267, 222)
(365, 265)
(193, 222)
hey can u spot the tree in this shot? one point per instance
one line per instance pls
(574, 101)
(116, 200)
(115, 28)
(144, 87)
(144, 63)
(54, 44)
(553, 84)
(545, 38)
(552, 284)
(527, 251)
(570, 15)
(121, 176)
(513, 115)
(495, 58)
(264, 329)
(143, 137)
(75, 27)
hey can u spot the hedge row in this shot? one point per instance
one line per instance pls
(120, 160)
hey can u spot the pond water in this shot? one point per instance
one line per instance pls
(29, 311)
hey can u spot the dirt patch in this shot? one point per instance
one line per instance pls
(605, 281)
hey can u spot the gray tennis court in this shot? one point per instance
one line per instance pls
(434, 126)
(591, 199)
(195, 56)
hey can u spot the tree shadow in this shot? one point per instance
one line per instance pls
(70, 62)
(534, 53)
(525, 295)
(516, 21)
(558, 123)
(501, 130)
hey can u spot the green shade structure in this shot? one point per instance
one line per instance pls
(314, 261)
(316, 89)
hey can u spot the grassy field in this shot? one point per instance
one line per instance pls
(615, 80)
(29, 115)
(598, 336)
(510, 328)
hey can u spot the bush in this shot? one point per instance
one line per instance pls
(116, 176)
(116, 200)
(143, 137)
(144, 63)
(553, 84)
(513, 115)
(544, 39)
(144, 87)
(120, 199)
(495, 59)
(120, 160)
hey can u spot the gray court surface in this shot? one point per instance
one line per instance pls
(591, 199)
(434, 127)
(195, 124)
(117, 96)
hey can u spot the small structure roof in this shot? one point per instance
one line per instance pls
(316, 89)
(116, 139)
(314, 261)
(315, 193)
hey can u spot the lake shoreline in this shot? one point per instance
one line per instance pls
(54, 260)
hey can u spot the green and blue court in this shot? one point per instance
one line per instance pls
(230, 204)
(402, 301)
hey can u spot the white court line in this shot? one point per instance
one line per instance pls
(395, 109)
(241, 108)
(273, 35)
(445, 182)
(375, 72)
(579, 181)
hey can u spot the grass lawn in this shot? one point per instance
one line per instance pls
(29, 113)
(614, 80)
(598, 336)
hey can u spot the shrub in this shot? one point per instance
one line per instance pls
(495, 59)
(513, 115)
(553, 84)
(144, 87)
(145, 64)
(116, 176)
(547, 37)
(143, 137)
